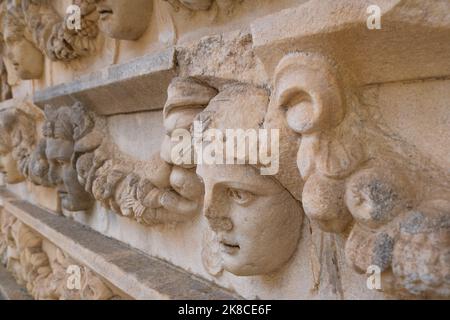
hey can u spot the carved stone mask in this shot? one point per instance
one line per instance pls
(256, 220)
(16, 141)
(8, 166)
(59, 152)
(27, 60)
(62, 173)
(120, 20)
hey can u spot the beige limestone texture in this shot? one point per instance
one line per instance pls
(363, 116)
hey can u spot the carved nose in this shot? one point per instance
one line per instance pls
(217, 220)
(220, 224)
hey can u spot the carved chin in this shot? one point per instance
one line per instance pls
(242, 268)
(116, 30)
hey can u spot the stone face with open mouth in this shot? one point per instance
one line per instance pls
(256, 220)
(229, 248)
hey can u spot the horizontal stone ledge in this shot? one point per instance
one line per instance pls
(138, 85)
(413, 42)
(9, 289)
(140, 276)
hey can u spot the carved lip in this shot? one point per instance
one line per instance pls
(229, 248)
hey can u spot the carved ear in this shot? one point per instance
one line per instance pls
(307, 88)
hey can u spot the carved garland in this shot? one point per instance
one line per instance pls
(135, 189)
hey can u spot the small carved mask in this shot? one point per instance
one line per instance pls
(27, 60)
(59, 131)
(8, 166)
(63, 174)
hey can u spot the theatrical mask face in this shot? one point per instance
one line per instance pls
(256, 220)
(124, 19)
(62, 173)
(27, 60)
(8, 166)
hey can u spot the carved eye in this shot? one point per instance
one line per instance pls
(241, 197)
